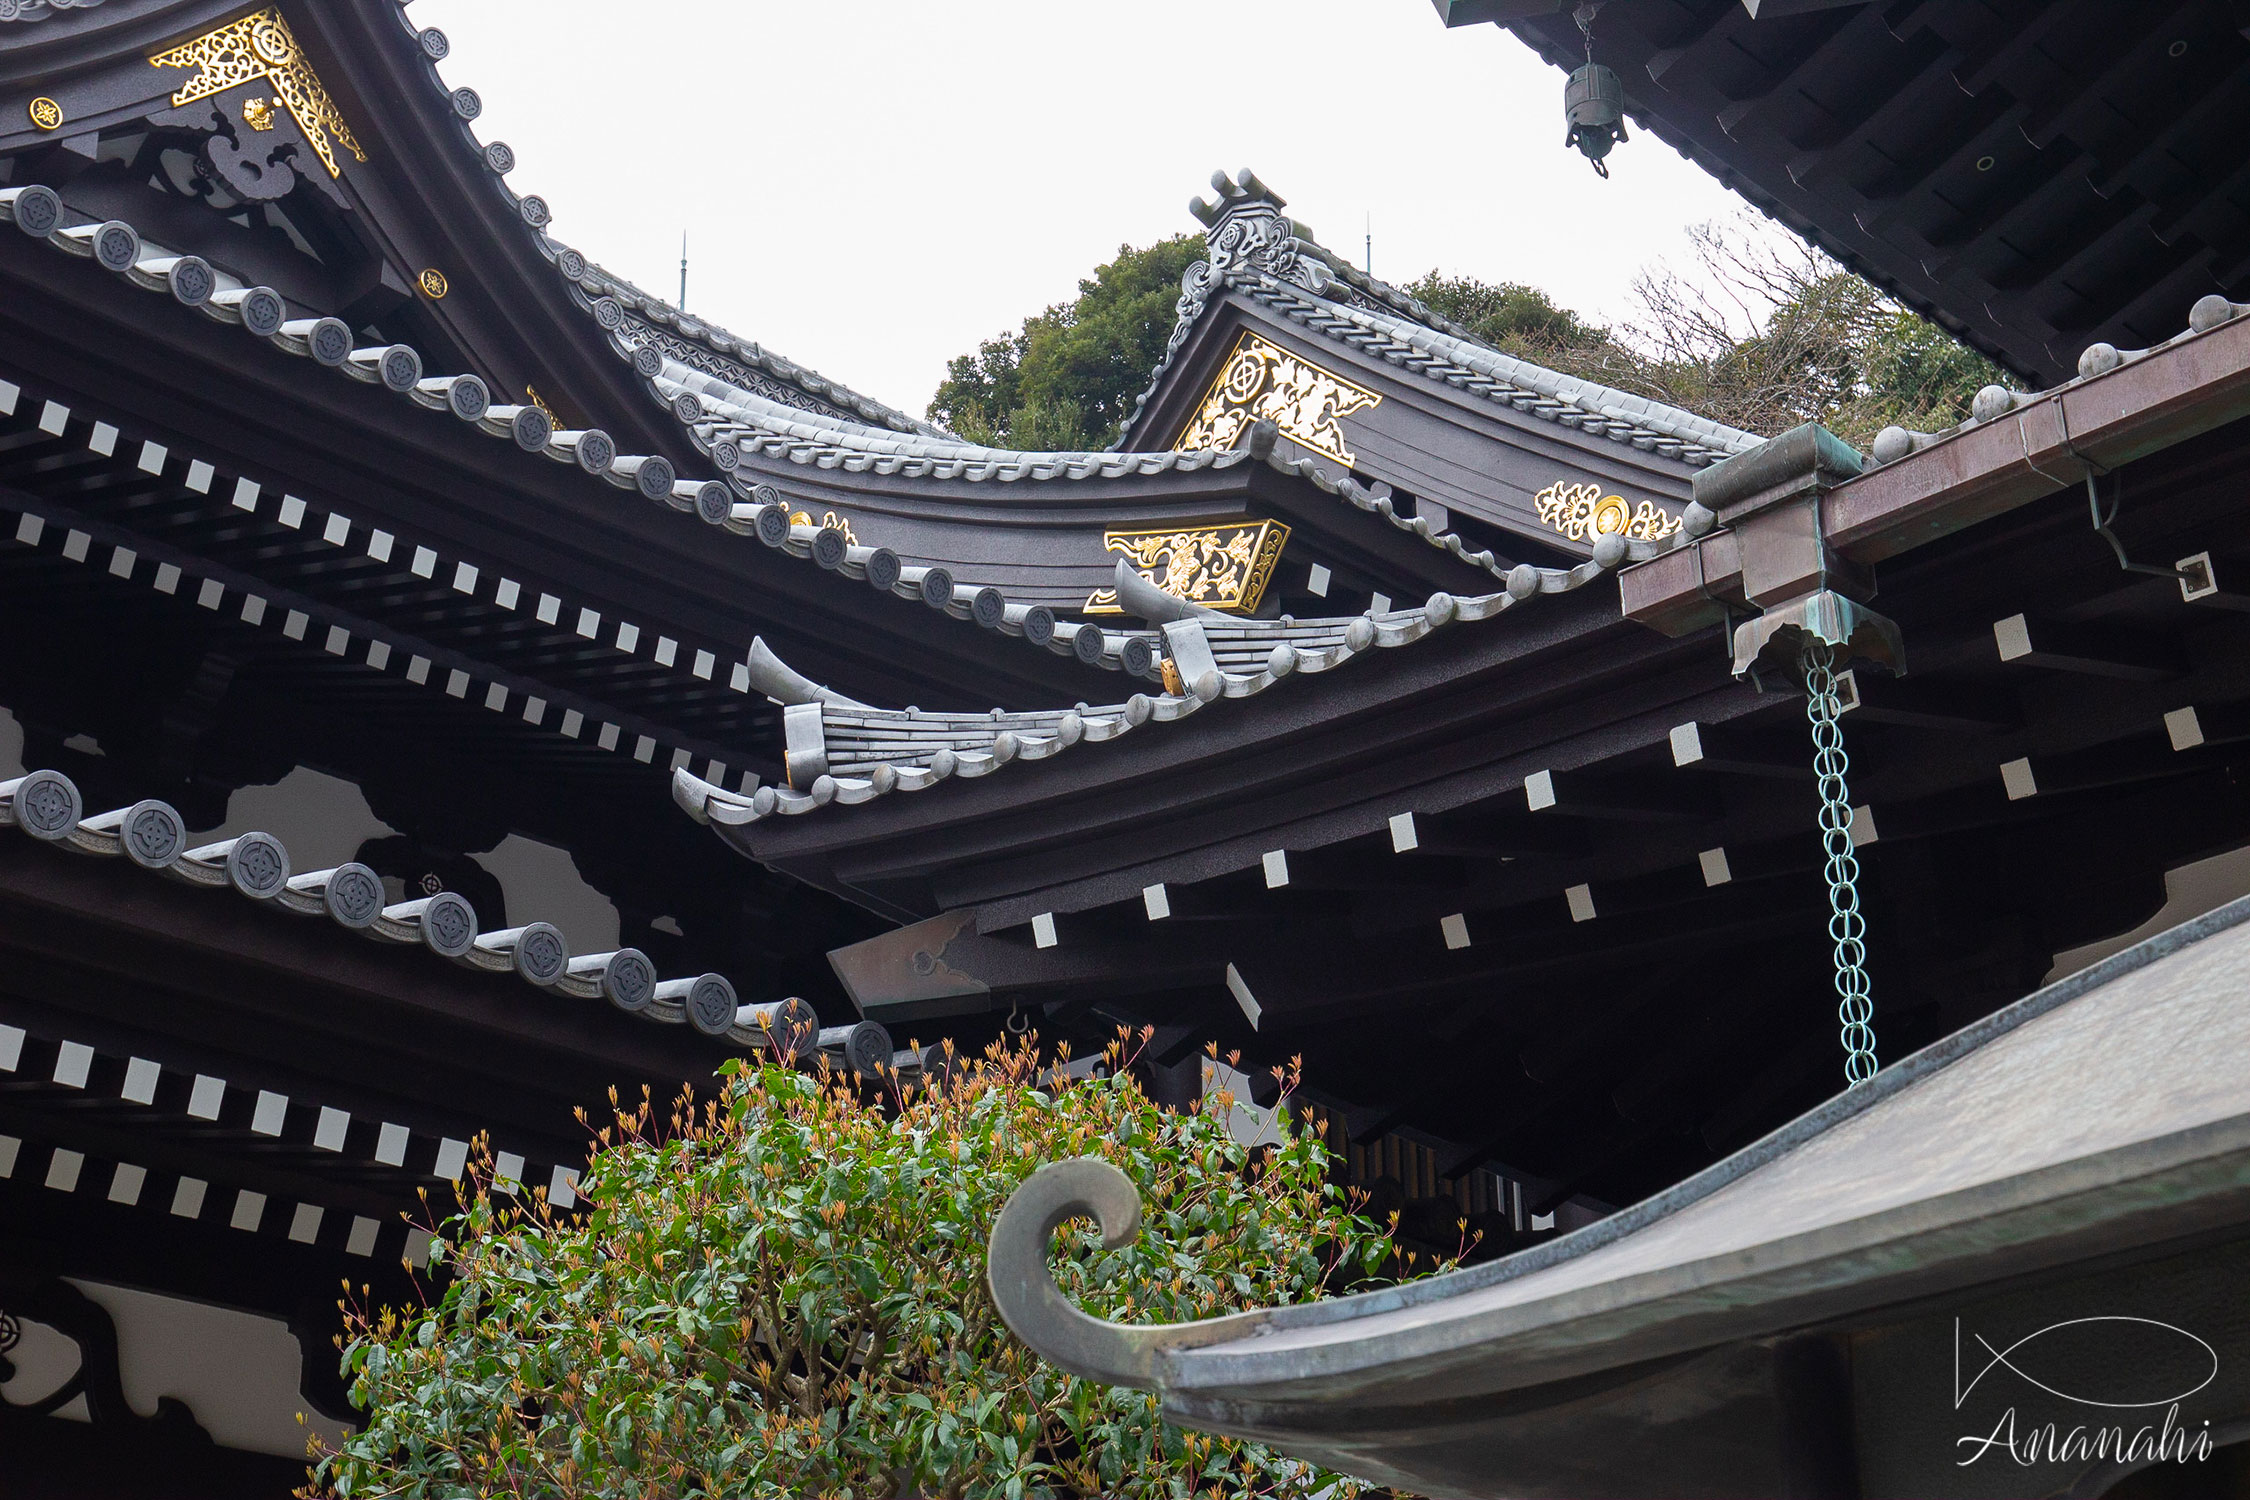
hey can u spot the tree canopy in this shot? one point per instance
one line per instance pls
(1067, 380)
(1761, 332)
(780, 1291)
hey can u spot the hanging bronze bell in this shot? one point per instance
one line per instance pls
(1594, 104)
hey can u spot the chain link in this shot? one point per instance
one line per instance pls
(1855, 1010)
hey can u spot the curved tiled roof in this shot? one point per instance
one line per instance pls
(842, 751)
(40, 10)
(1469, 364)
(1276, 261)
(46, 805)
(1997, 401)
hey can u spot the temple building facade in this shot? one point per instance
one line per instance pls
(444, 681)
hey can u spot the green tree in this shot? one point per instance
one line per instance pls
(1068, 378)
(780, 1292)
(1508, 315)
(1764, 332)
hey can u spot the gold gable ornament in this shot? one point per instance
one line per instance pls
(1583, 513)
(45, 113)
(1262, 382)
(261, 46)
(1225, 568)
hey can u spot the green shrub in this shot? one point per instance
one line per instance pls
(781, 1291)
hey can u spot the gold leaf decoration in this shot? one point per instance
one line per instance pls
(1262, 382)
(260, 45)
(1583, 513)
(1225, 568)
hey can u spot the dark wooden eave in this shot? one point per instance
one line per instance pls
(2035, 175)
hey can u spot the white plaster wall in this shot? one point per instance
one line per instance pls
(238, 1372)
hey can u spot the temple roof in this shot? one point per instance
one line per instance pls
(843, 751)
(46, 805)
(1275, 260)
(2067, 1126)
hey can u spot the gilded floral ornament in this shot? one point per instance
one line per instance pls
(45, 113)
(1583, 513)
(1225, 568)
(261, 46)
(1263, 382)
(829, 521)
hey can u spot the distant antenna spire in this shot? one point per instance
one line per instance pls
(683, 270)
(1371, 242)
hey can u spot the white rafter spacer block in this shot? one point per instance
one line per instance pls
(2017, 777)
(187, 1198)
(334, 1123)
(63, 1169)
(1404, 838)
(452, 1160)
(304, 1224)
(249, 1211)
(125, 1184)
(361, 1241)
(205, 1099)
(1716, 871)
(1157, 901)
(1581, 898)
(1276, 862)
(2185, 729)
(1539, 790)
(73, 1061)
(1456, 930)
(390, 1145)
(1043, 930)
(1239, 987)
(272, 1113)
(140, 1081)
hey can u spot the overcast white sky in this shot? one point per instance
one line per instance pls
(872, 186)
